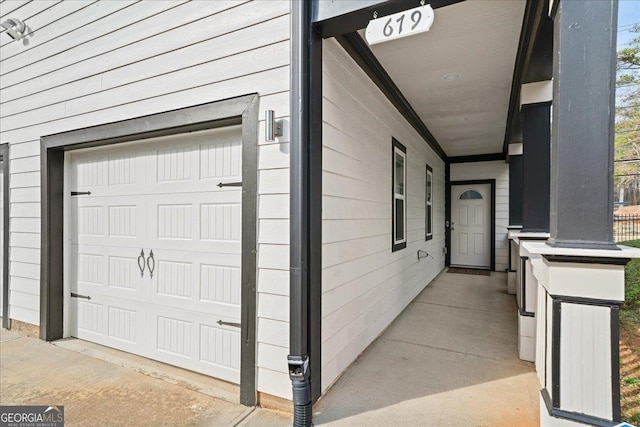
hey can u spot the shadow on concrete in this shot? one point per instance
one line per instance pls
(449, 359)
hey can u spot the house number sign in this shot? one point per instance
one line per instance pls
(398, 25)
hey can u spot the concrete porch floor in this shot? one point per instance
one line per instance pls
(450, 359)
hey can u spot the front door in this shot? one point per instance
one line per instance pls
(471, 225)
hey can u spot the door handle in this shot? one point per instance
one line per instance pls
(151, 263)
(230, 184)
(141, 262)
(233, 324)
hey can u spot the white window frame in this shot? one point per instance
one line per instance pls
(428, 198)
(398, 150)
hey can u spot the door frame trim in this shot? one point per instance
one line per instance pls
(242, 110)
(492, 229)
(4, 158)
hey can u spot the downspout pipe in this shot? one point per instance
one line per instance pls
(298, 359)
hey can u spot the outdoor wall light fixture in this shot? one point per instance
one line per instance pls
(15, 28)
(272, 127)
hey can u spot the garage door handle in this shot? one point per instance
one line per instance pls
(235, 325)
(230, 184)
(74, 295)
(151, 263)
(141, 263)
(81, 193)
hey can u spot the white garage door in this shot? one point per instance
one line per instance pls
(156, 247)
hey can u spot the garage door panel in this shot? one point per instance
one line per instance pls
(222, 249)
(112, 322)
(89, 173)
(90, 317)
(220, 222)
(125, 220)
(174, 336)
(220, 284)
(194, 341)
(90, 222)
(175, 221)
(175, 165)
(220, 348)
(109, 172)
(125, 169)
(123, 324)
(205, 217)
(192, 281)
(106, 271)
(209, 194)
(92, 269)
(162, 197)
(124, 273)
(221, 157)
(176, 279)
(108, 220)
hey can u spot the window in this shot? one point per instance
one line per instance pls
(399, 190)
(428, 210)
(471, 195)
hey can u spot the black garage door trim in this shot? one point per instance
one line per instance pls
(243, 111)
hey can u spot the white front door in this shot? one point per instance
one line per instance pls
(156, 247)
(471, 225)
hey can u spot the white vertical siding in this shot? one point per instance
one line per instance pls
(498, 170)
(365, 285)
(541, 335)
(93, 62)
(548, 381)
(585, 364)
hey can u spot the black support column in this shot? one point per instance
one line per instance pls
(536, 135)
(583, 124)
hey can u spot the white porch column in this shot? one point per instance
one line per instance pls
(579, 292)
(514, 250)
(526, 293)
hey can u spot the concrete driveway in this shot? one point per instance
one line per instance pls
(450, 359)
(97, 392)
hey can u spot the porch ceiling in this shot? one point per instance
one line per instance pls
(476, 39)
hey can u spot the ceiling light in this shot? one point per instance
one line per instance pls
(451, 77)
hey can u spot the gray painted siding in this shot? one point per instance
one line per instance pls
(498, 170)
(92, 62)
(365, 286)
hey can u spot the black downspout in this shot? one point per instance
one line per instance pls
(298, 359)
